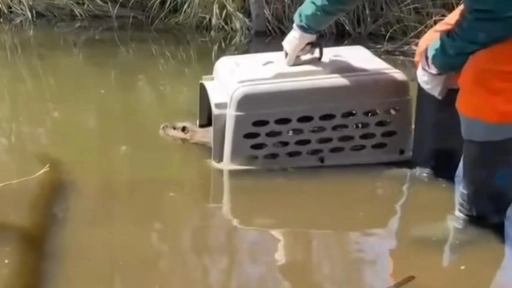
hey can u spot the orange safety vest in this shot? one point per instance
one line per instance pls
(485, 82)
(486, 85)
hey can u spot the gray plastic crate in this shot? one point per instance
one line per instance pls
(349, 108)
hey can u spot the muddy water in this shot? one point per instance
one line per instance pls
(147, 213)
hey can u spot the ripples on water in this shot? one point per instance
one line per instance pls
(148, 213)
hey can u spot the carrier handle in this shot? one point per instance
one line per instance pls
(314, 45)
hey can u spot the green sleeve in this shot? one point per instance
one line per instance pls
(479, 27)
(315, 15)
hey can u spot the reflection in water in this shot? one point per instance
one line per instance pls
(354, 259)
(371, 248)
(144, 216)
(299, 257)
(262, 250)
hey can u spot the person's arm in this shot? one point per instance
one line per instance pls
(481, 25)
(435, 32)
(315, 15)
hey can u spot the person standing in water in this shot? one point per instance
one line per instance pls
(477, 48)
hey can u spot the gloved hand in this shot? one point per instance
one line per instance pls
(295, 44)
(429, 78)
(433, 84)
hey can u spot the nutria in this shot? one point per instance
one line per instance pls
(187, 132)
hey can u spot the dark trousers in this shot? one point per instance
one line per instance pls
(486, 188)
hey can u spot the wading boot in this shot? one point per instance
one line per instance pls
(454, 228)
(424, 174)
(461, 227)
(455, 234)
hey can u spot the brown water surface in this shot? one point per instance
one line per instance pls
(147, 213)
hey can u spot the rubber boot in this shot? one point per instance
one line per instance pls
(459, 228)
(424, 174)
(483, 194)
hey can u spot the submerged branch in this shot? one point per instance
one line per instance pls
(46, 168)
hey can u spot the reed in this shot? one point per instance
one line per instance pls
(400, 20)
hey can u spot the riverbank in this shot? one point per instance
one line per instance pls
(402, 20)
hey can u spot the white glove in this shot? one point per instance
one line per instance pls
(295, 44)
(435, 84)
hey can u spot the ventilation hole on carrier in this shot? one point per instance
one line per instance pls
(349, 114)
(271, 156)
(346, 138)
(283, 121)
(367, 136)
(317, 129)
(388, 134)
(315, 152)
(382, 123)
(302, 142)
(324, 140)
(361, 125)
(273, 133)
(380, 145)
(392, 111)
(321, 159)
(258, 146)
(327, 117)
(295, 132)
(358, 148)
(305, 119)
(260, 123)
(401, 152)
(371, 113)
(293, 154)
(339, 127)
(281, 144)
(335, 150)
(251, 135)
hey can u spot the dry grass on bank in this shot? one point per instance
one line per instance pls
(396, 19)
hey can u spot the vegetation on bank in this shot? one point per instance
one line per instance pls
(401, 20)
